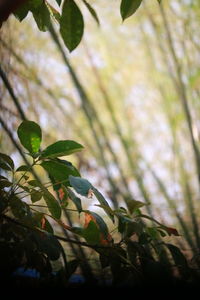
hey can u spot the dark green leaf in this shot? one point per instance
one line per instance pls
(48, 227)
(81, 185)
(129, 7)
(76, 200)
(134, 227)
(42, 17)
(60, 171)
(92, 234)
(178, 256)
(52, 204)
(153, 232)
(19, 208)
(61, 148)
(22, 11)
(6, 161)
(35, 196)
(92, 11)
(35, 3)
(72, 266)
(23, 168)
(48, 244)
(103, 202)
(100, 222)
(71, 24)
(30, 136)
(34, 183)
(5, 183)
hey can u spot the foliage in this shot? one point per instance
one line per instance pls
(28, 239)
(71, 19)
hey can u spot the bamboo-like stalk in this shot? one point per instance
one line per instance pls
(180, 88)
(133, 165)
(186, 187)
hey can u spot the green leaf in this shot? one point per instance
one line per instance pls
(75, 200)
(6, 162)
(23, 168)
(19, 208)
(30, 136)
(52, 204)
(81, 185)
(48, 244)
(22, 11)
(178, 256)
(42, 17)
(71, 24)
(60, 171)
(61, 148)
(35, 3)
(34, 183)
(134, 227)
(92, 11)
(5, 183)
(129, 7)
(35, 196)
(134, 205)
(72, 266)
(104, 203)
(92, 234)
(100, 222)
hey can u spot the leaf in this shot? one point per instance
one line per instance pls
(99, 222)
(71, 24)
(178, 256)
(30, 136)
(63, 196)
(52, 204)
(81, 185)
(35, 3)
(34, 183)
(5, 183)
(6, 162)
(92, 11)
(133, 227)
(35, 196)
(19, 208)
(61, 148)
(134, 205)
(42, 17)
(103, 202)
(171, 231)
(129, 7)
(60, 171)
(75, 200)
(22, 11)
(48, 244)
(72, 266)
(23, 168)
(92, 234)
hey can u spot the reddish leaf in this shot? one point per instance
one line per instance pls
(89, 218)
(172, 231)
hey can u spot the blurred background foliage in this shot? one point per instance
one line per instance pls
(129, 93)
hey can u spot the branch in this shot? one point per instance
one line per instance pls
(95, 247)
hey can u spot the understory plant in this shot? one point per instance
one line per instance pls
(28, 238)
